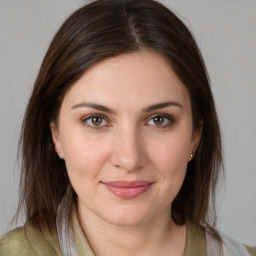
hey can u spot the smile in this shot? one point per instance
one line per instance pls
(128, 189)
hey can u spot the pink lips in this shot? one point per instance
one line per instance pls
(128, 189)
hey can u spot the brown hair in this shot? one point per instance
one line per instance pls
(97, 31)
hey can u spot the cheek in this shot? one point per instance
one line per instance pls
(84, 155)
(170, 157)
(171, 152)
(84, 161)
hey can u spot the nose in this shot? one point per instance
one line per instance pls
(128, 150)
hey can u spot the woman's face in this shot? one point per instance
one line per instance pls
(125, 133)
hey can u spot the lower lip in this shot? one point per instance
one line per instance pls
(128, 192)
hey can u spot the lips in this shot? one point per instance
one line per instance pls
(128, 189)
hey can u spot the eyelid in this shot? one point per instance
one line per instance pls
(170, 118)
(86, 118)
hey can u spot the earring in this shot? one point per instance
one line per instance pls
(192, 155)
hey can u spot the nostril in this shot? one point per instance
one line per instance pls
(127, 151)
(117, 166)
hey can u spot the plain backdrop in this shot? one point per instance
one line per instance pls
(226, 33)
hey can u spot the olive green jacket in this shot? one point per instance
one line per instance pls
(31, 241)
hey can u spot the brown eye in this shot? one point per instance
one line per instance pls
(161, 121)
(96, 120)
(158, 120)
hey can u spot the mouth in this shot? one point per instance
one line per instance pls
(128, 189)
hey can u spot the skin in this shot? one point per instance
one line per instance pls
(128, 144)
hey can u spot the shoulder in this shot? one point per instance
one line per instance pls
(29, 241)
(209, 241)
(15, 243)
(226, 245)
(251, 250)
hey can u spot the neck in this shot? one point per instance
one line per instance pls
(160, 236)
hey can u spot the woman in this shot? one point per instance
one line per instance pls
(120, 140)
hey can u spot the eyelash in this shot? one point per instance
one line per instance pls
(166, 117)
(169, 118)
(85, 121)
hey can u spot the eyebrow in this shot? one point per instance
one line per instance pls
(162, 105)
(112, 111)
(95, 106)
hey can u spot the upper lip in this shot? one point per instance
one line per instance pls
(128, 184)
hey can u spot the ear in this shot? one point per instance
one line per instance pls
(56, 139)
(195, 140)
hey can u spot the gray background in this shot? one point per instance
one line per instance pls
(226, 33)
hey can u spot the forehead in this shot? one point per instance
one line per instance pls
(137, 79)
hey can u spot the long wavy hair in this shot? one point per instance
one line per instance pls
(99, 30)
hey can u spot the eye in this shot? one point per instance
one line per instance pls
(161, 120)
(95, 121)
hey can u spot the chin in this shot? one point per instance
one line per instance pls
(127, 217)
